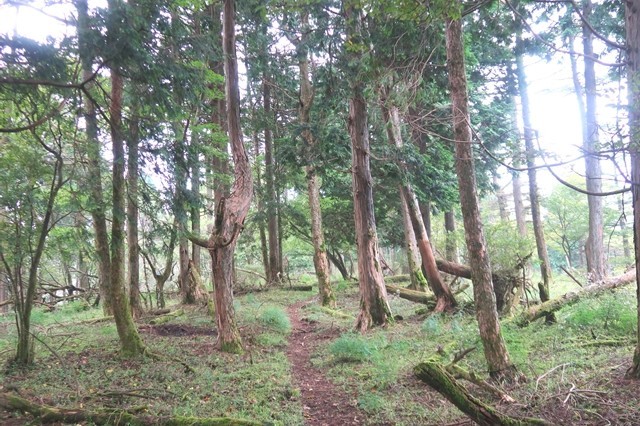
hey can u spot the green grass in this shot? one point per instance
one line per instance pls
(375, 367)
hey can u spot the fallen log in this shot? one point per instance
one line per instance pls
(299, 288)
(167, 317)
(46, 415)
(397, 278)
(411, 295)
(417, 296)
(436, 376)
(546, 308)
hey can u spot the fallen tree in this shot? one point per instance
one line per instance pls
(546, 308)
(47, 415)
(417, 296)
(438, 378)
(505, 283)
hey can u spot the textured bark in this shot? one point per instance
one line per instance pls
(130, 342)
(536, 216)
(436, 376)
(232, 210)
(270, 187)
(445, 299)
(632, 22)
(194, 164)
(374, 307)
(132, 219)
(451, 243)
(596, 263)
(495, 350)
(320, 261)
(416, 277)
(94, 175)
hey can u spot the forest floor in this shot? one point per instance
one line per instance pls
(304, 365)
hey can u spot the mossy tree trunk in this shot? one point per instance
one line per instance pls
(132, 215)
(495, 350)
(436, 376)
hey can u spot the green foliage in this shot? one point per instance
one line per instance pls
(276, 319)
(609, 314)
(506, 246)
(351, 347)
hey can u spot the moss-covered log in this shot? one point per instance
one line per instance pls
(546, 308)
(412, 295)
(167, 317)
(46, 415)
(299, 288)
(435, 375)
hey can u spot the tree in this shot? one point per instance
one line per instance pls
(632, 24)
(495, 350)
(232, 210)
(31, 180)
(306, 95)
(530, 153)
(374, 307)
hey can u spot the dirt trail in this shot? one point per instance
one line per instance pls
(323, 403)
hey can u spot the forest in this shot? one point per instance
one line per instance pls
(319, 212)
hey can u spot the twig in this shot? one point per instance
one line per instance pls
(549, 372)
(571, 276)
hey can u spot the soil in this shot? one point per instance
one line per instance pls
(323, 403)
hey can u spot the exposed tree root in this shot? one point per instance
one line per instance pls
(436, 376)
(46, 414)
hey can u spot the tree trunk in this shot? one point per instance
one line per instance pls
(445, 299)
(231, 211)
(436, 376)
(337, 259)
(632, 21)
(374, 307)
(495, 350)
(94, 175)
(320, 261)
(132, 217)
(269, 175)
(596, 263)
(519, 204)
(416, 277)
(536, 216)
(451, 243)
(502, 200)
(194, 164)
(130, 341)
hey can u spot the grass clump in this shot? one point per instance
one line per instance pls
(275, 319)
(351, 348)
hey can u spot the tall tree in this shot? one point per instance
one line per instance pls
(444, 297)
(596, 263)
(232, 210)
(632, 23)
(530, 152)
(495, 350)
(374, 307)
(306, 95)
(132, 213)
